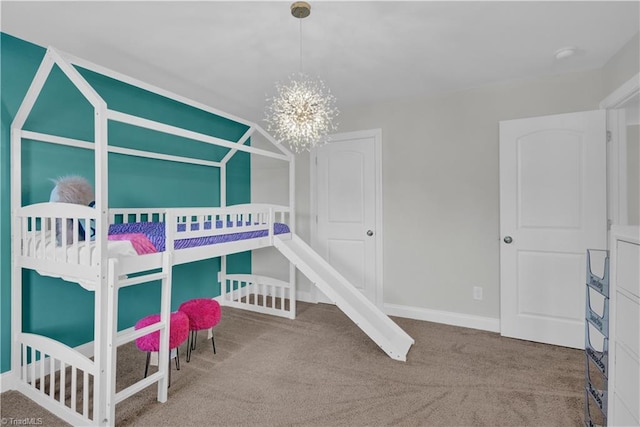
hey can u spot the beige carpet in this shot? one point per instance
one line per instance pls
(321, 370)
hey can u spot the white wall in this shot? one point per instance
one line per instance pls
(270, 184)
(633, 171)
(621, 66)
(440, 184)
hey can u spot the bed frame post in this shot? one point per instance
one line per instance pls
(102, 338)
(292, 226)
(222, 274)
(292, 194)
(223, 185)
(165, 316)
(171, 222)
(16, 270)
(111, 361)
(16, 203)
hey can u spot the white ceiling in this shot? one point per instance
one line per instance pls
(230, 54)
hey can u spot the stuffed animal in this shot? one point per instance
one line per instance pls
(71, 189)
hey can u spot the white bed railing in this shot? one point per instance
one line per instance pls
(187, 223)
(58, 376)
(79, 260)
(129, 215)
(49, 239)
(258, 293)
(45, 226)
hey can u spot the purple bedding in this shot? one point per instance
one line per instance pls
(155, 233)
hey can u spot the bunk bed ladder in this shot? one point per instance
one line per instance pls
(116, 339)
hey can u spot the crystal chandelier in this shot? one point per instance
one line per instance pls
(303, 111)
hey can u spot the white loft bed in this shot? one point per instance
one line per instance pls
(40, 365)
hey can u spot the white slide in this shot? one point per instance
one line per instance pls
(373, 322)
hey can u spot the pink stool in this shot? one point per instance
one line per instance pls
(203, 313)
(178, 333)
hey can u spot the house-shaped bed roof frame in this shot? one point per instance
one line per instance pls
(103, 114)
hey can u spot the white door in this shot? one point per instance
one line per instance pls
(348, 227)
(552, 209)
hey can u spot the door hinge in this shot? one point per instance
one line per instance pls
(609, 223)
(316, 219)
(316, 160)
(608, 136)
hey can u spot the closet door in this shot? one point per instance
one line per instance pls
(552, 208)
(347, 230)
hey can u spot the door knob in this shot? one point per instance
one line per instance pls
(508, 239)
(369, 233)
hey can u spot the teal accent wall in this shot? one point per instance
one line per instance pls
(62, 310)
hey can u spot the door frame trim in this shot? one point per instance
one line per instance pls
(617, 177)
(376, 134)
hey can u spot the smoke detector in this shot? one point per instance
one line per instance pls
(565, 52)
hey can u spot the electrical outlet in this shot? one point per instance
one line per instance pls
(477, 293)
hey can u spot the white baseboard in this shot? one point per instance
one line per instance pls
(446, 317)
(6, 382)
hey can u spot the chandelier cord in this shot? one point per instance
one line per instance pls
(300, 45)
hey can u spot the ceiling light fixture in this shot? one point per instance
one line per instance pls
(303, 111)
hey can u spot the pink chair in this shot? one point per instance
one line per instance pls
(178, 333)
(203, 313)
